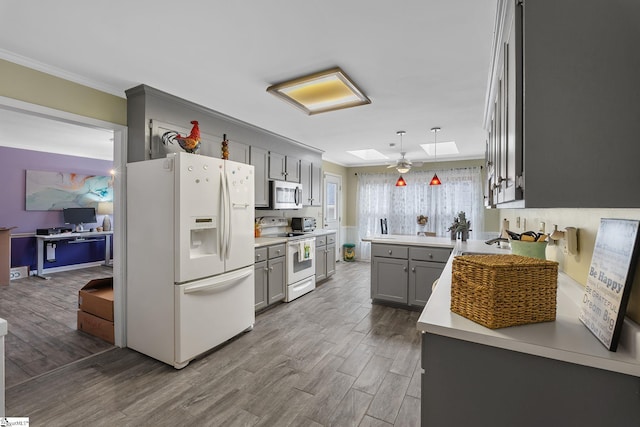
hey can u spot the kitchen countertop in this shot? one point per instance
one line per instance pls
(322, 232)
(399, 239)
(268, 241)
(565, 339)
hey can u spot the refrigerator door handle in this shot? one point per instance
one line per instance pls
(229, 221)
(221, 225)
(220, 286)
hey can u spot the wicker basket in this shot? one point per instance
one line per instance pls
(497, 291)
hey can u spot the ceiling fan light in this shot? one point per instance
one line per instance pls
(434, 181)
(403, 169)
(401, 182)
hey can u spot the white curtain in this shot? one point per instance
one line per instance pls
(378, 197)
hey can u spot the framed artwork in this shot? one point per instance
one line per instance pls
(611, 275)
(53, 191)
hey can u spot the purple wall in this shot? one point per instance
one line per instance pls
(13, 164)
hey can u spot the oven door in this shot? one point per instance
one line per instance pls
(298, 269)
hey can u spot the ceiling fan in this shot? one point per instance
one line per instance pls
(403, 165)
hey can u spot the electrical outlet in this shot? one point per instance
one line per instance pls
(541, 228)
(518, 222)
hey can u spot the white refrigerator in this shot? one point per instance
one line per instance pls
(190, 273)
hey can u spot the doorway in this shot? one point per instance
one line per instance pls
(119, 161)
(332, 207)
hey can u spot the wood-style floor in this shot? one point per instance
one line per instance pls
(42, 320)
(329, 358)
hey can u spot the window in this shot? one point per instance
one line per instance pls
(378, 197)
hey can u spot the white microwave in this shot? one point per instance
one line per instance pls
(285, 195)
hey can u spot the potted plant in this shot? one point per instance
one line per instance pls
(460, 227)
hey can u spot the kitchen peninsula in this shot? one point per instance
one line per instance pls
(553, 373)
(403, 268)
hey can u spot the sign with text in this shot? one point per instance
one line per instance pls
(610, 277)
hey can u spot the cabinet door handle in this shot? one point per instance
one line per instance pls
(270, 268)
(430, 255)
(278, 251)
(389, 251)
(413, 269)
(405, 268)
(257, 255)
(266, 268)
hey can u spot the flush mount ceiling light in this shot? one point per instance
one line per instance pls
(321, 92)
(435, 180)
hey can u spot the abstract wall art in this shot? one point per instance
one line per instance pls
(52, 191)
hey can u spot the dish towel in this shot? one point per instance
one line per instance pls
(305, 250)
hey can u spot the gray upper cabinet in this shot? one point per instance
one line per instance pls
(572, 140)
(260, 161)
(239, 152)
(284, 168)
(311, 180)
(152, 113)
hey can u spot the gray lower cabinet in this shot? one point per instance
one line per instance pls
(405, 274)
(422, 274)
(470, 384)
(325, 256)
(270, 270)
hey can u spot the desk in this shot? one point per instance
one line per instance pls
(85, 236)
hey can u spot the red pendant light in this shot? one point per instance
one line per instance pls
(401, 182)
(435, 180)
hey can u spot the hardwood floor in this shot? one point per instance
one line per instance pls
(329, 358)
(42, 322)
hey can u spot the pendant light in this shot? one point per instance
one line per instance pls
(435, 180)
(401, 168)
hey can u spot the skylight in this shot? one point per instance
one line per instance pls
(444, 148)
(369, 154)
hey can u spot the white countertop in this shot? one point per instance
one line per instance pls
(268, 241)
(322, 232)
(565, 339)
(400, 239)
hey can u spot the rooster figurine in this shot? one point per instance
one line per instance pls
(190, 144)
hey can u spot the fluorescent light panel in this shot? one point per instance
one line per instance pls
(444, 148)
(369, 154)
(320, 92)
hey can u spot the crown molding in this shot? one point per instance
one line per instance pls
(58, 72)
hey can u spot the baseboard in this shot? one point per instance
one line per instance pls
(67, 268)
